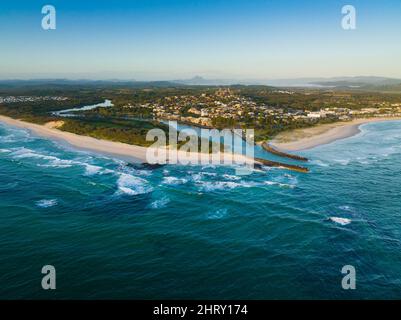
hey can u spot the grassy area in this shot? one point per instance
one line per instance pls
(126, 131)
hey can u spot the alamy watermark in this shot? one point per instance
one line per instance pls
(49, 20)
(210, 147)
(348, 21)
(349, 280)
(49, 280)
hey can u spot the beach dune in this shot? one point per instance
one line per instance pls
(307, 138)
(127, 152)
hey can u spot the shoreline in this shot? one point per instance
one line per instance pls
(308, 138)
(124, 151)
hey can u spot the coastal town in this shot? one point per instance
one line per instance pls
(268, 110)
(226, 107)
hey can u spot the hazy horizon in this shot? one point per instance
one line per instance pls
(67, 77)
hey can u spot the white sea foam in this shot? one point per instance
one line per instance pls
(16, 135)
(342, 221)
(218, 214)
(231, 177)
(46, 203)
(319, 163)
(58, 163)
(224, 185)
(174, 180)
(55, 162)
(209, 166)
(196, 177)
(21, 153)
(8, 139)
(343, 162)
(91, 169)
(218, 185)
(132, 185)
(161, 203)
(141, 172)
(282, 185)
(210, 174)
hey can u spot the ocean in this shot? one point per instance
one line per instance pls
(121, 231)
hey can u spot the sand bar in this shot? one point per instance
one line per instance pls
(307, 138)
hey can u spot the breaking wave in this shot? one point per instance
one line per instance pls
(218, 214)
(224, 185)
(174, 180)
(161, 203)
(342, 221)
(45, 203)
(131, 185)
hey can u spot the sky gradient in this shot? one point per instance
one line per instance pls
(174, 39)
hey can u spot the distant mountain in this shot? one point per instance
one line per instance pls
(358, 82)
(200, 81)
(55, 83)
(296, 82)
(365, 83)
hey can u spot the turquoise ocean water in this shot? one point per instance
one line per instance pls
(114, 230)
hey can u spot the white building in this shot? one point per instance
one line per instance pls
(314, 115)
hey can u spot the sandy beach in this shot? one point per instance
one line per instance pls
(295, 140)
(123, 151)
(307, 138)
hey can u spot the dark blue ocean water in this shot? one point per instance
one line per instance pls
(114, 230)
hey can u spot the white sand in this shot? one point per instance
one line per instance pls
(307, 138)
(120, 150)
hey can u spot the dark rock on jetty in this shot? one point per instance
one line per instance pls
(275, 164)
(276, 152)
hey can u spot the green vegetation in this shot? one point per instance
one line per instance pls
(126, 131)
(138, 106)
(316, 99)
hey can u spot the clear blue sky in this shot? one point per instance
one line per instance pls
(171, 39)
